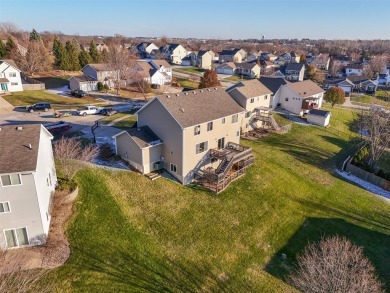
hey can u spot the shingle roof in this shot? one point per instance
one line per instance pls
(273, 83)
(319, 112)
(251, 88)
(83, 78)
(10, 62)
(15, 154)
(355, 79)
(355, 66)
(160, 63)
(100, 66)
(227, 65)
(201, 53)
(305, 88)
(245, 65)
(143, 136)
(199, 106)
(229, 52)
(295, 66)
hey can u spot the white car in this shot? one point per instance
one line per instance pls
(137, 106)
(89, 110)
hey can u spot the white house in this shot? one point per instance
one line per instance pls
(10, 80)
(174, 53)
(145, 49)
(226, 68)
(27, 183)
(354, 69)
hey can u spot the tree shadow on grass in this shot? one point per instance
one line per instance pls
(135, 271)
(376, 246)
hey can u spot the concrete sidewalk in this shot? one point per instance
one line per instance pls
(5, 107)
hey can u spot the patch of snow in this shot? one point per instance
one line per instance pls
(110, 164)
(366, 185)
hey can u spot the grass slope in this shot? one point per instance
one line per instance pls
(130, 234)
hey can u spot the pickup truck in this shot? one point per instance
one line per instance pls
(88, 110)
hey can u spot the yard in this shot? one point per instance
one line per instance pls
(189, 70)
(186, 83)
(127, 120)
(235, 78)
(31, 97)
(366, 99)
(130, 234)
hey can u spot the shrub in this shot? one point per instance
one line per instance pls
(100, 86)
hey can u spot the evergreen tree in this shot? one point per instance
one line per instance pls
(11, 48)
(56, 52)
(84, 58)
(34, 36)
(2, 49)
(104, 56)
(73, 55)
(209, 79)
(63, 58)
(94, 53)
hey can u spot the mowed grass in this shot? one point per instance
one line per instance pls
(366, 99)
(31, 97)
(189, 70)
(130, 234)
(189, 84)
(235, 78)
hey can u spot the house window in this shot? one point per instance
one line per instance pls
(14, 83)
(286, 99)
(238, 133)
(209, 126)
(252, 100)
(258, 98)
(201, 147)
(4, 207)
(16, 237)
(265, 97)
(50, 179)
(173, 168)
(247, 114)
(197, 130)
(12, 179)
(12, 74)
(235, 118)
(223, 120)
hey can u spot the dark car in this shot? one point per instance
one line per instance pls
(39, 106)
(78, 93)
(109, 111)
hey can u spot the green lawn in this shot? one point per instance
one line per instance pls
(130, 234)
(189, 70)
(126, 123)
(31, 97)
(186, 83)
(365, 99)
(109, 119)
(235, 78)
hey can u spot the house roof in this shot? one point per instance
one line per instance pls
(15, 154)
(202, 52)
(83, 78)
(144, 136)
(277, 74)
(10, 62)
(229, 52)
(160, 62)
(199, 106)
(295, 66)
(273, 83)
(145, 69)
(2, 79)
(251, 88)
(319, 112)
(356, 79)
(227, 65)
(305, 88)
(355, 66)
(336, 81)
(100, 66)
(245, 65)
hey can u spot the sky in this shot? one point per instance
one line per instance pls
(221, 19)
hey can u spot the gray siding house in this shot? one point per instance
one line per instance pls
(27, 183)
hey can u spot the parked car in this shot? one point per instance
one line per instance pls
(57, 127)
(78, 93)
(137, 106)
(88, 110)
(108, 111)
(39, 106)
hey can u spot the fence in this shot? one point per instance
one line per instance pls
(31, 84)
(367, 176)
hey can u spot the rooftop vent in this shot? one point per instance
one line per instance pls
(194, 92)
(186, 94)
(19, 128)
(182, 109)
(201, 91)
(209, 90)
(168, 96)
(30, 146)
(177, 95)
(215, 88)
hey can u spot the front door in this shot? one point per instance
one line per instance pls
(4, 87)
(221, 143)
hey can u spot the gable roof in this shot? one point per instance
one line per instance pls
(10, 62)
(83, 78)
(356, 79)
(337, 81)
(227, 65)
(199, 106)
(305, 88)
(145, 69)
(100, 66)
(202, 52)
(250, 88)
(229, 52)
(15, 154)
(160, 62)
(246, 65)
(273, 83)
(295, 66)
(144, 136)
(355, 66)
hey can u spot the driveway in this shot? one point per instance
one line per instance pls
(5, 107)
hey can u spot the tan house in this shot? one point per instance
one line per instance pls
(235, 55)
(204, 59)
(100, 72)
(192, 135)
(174, 53)
(255, 98)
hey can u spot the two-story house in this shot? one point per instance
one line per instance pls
(355, 69)
(204, 59)
(164, 67)
(174, 53)
(294, 71)
(234, 55)
(249, 69)
(27, 183)
(188, 134)
(100, 72)
(145, 49)
(255, 98)
(10, 80)
(345, 84)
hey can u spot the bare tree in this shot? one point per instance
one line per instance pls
(334, 69)
(375, 125)
(16, 277)
(335, 265)
(36, 58)
(9, 28)
(121, 62)
(378, 64)
(70, 154)
(367, 71)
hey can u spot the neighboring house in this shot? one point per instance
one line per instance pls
(318, 117)
(174, 53)
(100, 72)
(278, 74)
(164, 67)
(83, 82)
(354, 69)
(251, 70)
(296, 97)
(226, 68)
(268, 57)
(321, 61)
(345, 84)
(234, 55)
(255, 56)
(255, 98)
(342, 60)
(295, 58)
(204, 59)
(282, 59)
(188, 134)
(295, 71)
(384, 79)
(101, 47)
(27, 183)
(266, 66)
(189, 60)
(362, 83)
(145, 49)
(10, 80)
